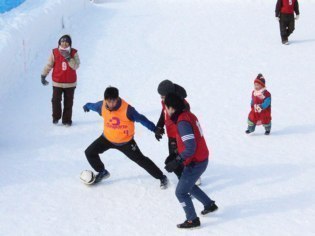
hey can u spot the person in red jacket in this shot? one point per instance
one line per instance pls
(164, 88)
(193, 156)
(64, 61)
(285, 14)
(260, 113)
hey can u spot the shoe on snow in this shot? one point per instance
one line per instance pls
(68, 124)
(164, 182)
(248, 131)
(198, 182)
(101, 175)
(285, 42)
(190, 224)
(55, 122)
(267, 132)
(208, 209)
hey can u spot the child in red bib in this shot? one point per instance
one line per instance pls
(260, 113)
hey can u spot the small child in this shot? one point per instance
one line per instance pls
(260, 113)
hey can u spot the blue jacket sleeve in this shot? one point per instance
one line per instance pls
(133, 115)
(186, 133)
(266, 103)
(97, 107)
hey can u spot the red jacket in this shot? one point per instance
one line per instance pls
(287, 7)
(62, 72)
(202, 151)
(264, 116)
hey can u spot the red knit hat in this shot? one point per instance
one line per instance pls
(260, 80)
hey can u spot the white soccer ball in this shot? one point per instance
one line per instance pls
(87, 177)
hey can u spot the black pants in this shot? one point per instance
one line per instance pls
(287, 25)
(172, 148)
(68, 94)
(130, 149)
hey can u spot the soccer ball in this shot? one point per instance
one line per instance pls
(87, 177)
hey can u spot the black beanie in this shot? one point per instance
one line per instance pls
(165, 87)
(111, 93)
(174, 101)
(260, 80)
(67, 38)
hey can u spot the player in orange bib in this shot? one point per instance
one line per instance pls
(119, 130)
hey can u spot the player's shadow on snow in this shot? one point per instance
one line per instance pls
(296, 129)
(227, 177)
(277, 204)
(303, 41)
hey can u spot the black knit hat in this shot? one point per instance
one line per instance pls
(174, 101)
(165, 87)
(66, 38)
(260, 80)
(111, 93)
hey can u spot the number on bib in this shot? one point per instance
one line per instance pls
(64, 66)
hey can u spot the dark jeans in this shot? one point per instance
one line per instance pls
(68, 94)
(186, 186)
(130, 149)
(287, 25)
(172, 148)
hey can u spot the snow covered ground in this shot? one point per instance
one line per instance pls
(262, 185)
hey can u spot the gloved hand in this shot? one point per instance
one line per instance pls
(159, 131)
(65, 54)
(277, 18)
(44, 81)
(297, 17)
(174, 164)
(258, 108)
(85, 109)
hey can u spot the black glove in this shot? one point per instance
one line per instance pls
(85, 108)
(159, 131)
(44, 81)
(65, 54)
(174, 164)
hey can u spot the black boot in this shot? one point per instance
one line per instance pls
(164, 182)
(267, 132)
(101, 175)
(208, 209)
(190, 224)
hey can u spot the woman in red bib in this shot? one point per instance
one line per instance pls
(64, 61)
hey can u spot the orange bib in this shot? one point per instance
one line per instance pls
(117, 127)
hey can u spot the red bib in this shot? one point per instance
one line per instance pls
(62, 72)
(202, 152)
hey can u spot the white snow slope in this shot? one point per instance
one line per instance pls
(262, 185)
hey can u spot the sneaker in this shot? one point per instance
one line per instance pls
(101, 175)
(164, 182)
(285, 42)
(198, 182)
(190, 224)
(208, 209)
(267, 132)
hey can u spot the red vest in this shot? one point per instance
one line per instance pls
(62, 72)
(288, 6)
(171, 129)
(202, 152)
(264, 117)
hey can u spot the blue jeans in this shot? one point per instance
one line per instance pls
(186, 186)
